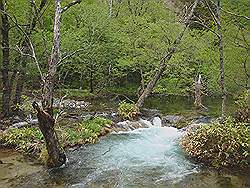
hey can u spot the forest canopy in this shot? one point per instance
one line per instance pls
(103, 52)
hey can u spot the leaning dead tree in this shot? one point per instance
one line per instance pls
(167, 57)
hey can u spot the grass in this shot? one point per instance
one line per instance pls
(75, 93)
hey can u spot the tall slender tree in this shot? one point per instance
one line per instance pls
(168, 55)
(46, 120)
(6, 59)
(222, 64)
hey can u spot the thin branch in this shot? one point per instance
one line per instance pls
(14, 20)
(70, 5)
(200, 22)
(70, 55)
(234, 14)
(211, 12)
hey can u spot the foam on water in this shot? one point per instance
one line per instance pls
(144, 156)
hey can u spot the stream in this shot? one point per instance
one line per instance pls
(144, 158)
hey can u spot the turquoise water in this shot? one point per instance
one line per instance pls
(143, 158)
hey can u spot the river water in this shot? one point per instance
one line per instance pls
(146, 157)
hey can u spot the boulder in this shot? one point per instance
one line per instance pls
(130, 125)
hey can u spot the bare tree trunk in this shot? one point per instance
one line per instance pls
(21, 75)
(165, 59)
(142, 85)
(48, 87)
(110, 8)
(222, 68)
(6, 60)
(56, 154)
(45, 116)
(198, 87)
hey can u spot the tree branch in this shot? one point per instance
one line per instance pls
(234, 14)
(70, 5)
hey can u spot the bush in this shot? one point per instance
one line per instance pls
(128, 110)
(27, 140)
(220, 145)
(242, 113)
(87, 131)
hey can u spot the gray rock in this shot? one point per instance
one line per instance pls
(19, 125)
(33, 121)
(171, 120)
(130, 125)
(203, 119)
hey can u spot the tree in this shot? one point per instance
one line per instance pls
(56, 154)
(6, 59)
(222, 66)
(165, 59)
(25, 47)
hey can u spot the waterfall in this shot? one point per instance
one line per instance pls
(157, 121)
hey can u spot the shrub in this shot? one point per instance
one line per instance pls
(30, 140)
(27, 140)
(87, 131)
(220, 145)
(242, 113)
(128, 110)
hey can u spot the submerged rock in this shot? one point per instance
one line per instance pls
(130, 125)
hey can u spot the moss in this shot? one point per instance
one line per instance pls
(30, 140)
(219, 145)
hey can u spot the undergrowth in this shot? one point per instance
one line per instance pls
(30, 140)
(219, 145)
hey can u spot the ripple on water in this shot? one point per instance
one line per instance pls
(143, 156)
(149, 157)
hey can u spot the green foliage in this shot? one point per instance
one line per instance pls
(26, 106)
(30, 141)
(27, 140)
(111, 52)
(128, 110)
(87, 131)
(242, 113)
(219, 145)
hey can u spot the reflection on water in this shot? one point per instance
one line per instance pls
(141, 158)
(169, 104)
